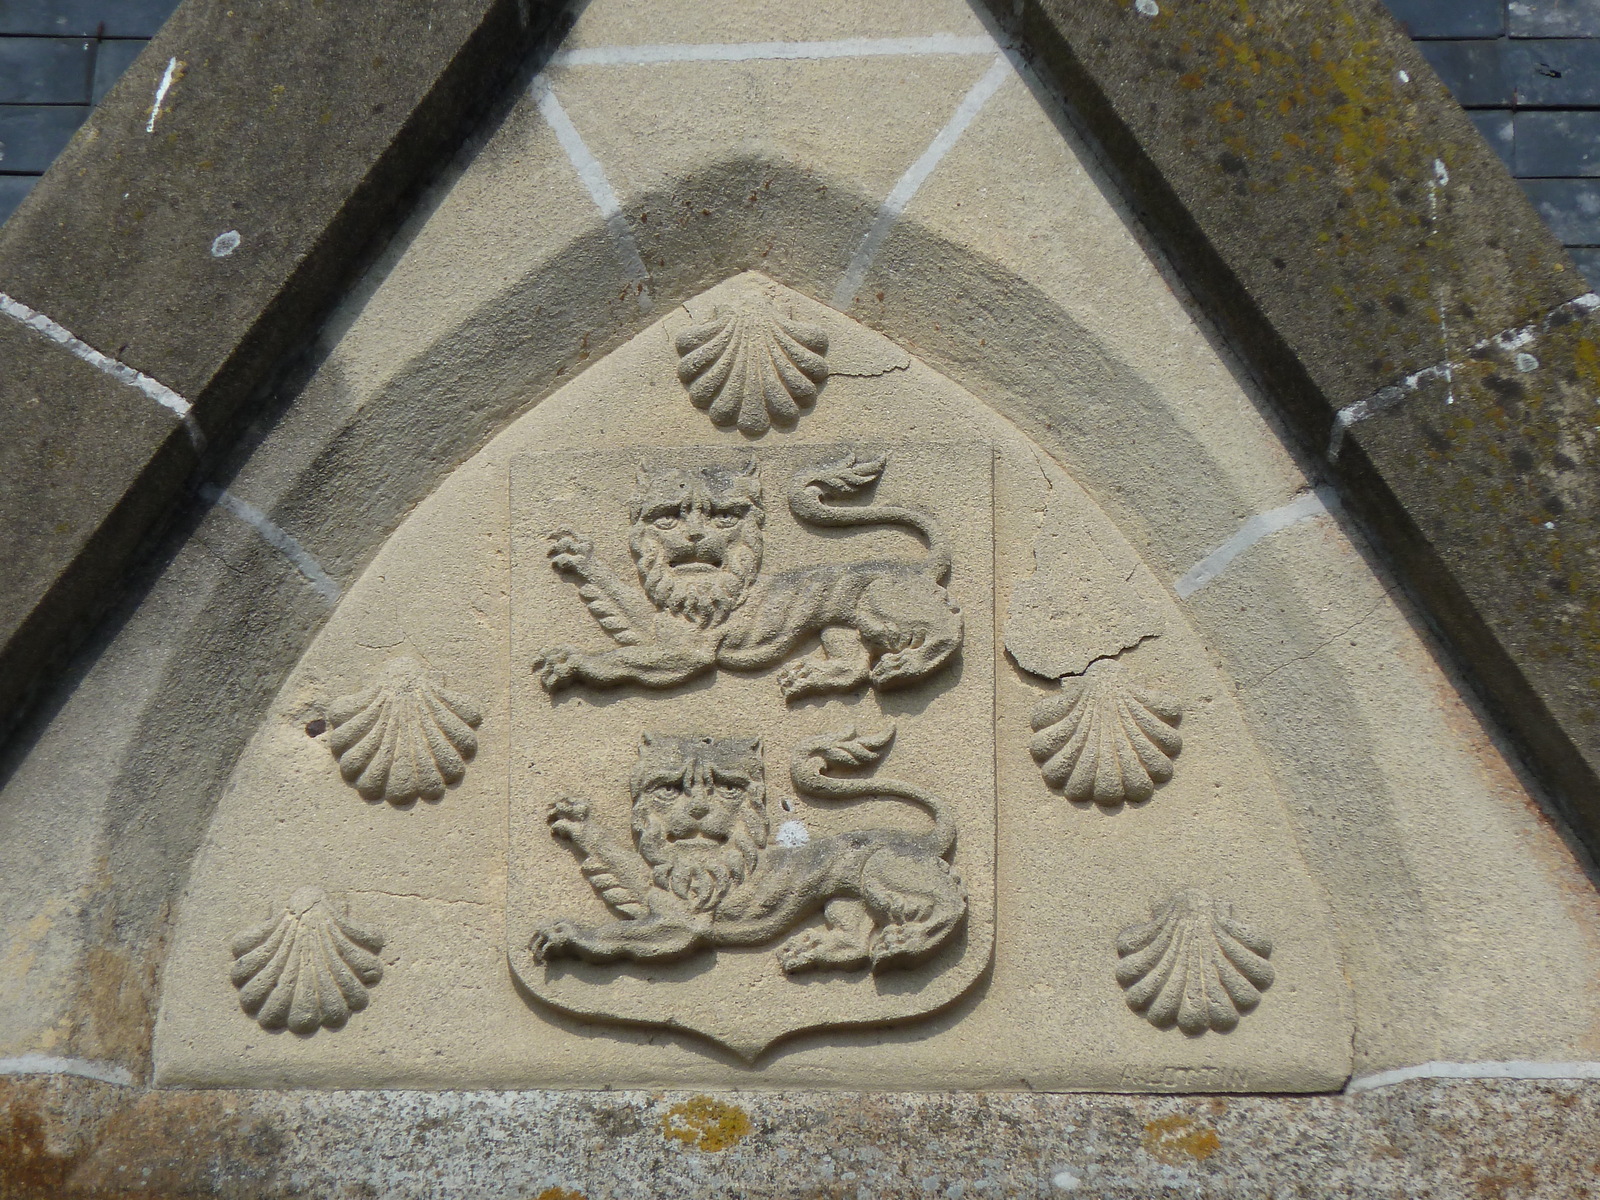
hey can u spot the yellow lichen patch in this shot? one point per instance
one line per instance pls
(1177, 1139)
(706, 1124)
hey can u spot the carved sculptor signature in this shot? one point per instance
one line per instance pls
(696, 539)
(705, 875)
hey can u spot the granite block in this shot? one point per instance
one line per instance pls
(1554, 73)
(45, 70)
(1554, 18)
(1571, 207)
(31, 135)
(111, 60)
(84, 18)
(1451, 18)
(1474, 71)
(1557, 143)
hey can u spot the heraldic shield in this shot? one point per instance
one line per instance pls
(753, 695)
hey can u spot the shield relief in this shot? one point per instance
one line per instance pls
(753, 691)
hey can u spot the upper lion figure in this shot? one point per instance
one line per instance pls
(696, 538)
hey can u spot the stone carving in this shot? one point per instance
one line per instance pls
(1104, 738)
(748, 366)
(406, 736)
(704, 873)
(697, 543)
(1193, 965)
(306, 967)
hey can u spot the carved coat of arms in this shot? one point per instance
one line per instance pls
(758, 788)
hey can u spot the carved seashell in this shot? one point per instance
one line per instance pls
(405, 736)
(1193, 965)
(749, 366)
(1104, 738)
(306, 967)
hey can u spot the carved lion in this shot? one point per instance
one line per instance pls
(696, 538)
(705, 874)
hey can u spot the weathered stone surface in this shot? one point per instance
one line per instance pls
(116, 243)
(1338, 215)
(63, 1139)
(89, 465)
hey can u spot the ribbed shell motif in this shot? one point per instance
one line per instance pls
(404, 737)
(750, 367)
(305, 968)
(1193, 965)
(1104, 738)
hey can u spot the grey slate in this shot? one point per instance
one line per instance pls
(85, 18)
(1555, 73)
(110, 61)
(1557, 143)
(1451, 18)
(45, 70)
(12, 189)
(1588, 260)
(1498, 130)
(1571, 207)
(31, 135)
(1474, 71)
(1554, 18)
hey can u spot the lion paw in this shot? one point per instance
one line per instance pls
(798, 679)
(548, 941)
(557, 666)
(893, 941)
(567, 816)
(568, 551)
(800, 952)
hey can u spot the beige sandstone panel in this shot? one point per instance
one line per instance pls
(1205, 866)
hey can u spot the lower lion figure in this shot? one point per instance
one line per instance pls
(704, 873)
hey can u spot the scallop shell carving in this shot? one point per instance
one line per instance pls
(1104, 738)
(748, 366)
(306, 968)
(405, 736)
(1193, 965)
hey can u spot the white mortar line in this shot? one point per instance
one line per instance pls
(632, 56)
(1508, 340)
(895, 203)
(593, 176)
(275, 537)
(1477, 1070)
(49, 1064)
(121, 372)
(1303, 508)
(161, 94)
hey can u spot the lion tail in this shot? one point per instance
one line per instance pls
(850, 476)
(812, 760)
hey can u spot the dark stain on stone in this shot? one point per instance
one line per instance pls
(1506, 389)
(27, 1167)
(1521, 458)
(316, 728)
(1396, 305)
(1232, 163)
(1563, 463)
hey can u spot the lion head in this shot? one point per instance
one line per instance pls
(699, 813)
(696, 538)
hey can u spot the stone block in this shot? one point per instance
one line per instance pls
(1498, 130)
(1451, 18)
(85, 18)
(1474, 71)
(1571, 207)
(111, 59)
(31, 135)
(85, 469)
(1554, 18)
(1557, 143)
(12, 189)
(1554, 73)
(45, 70)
